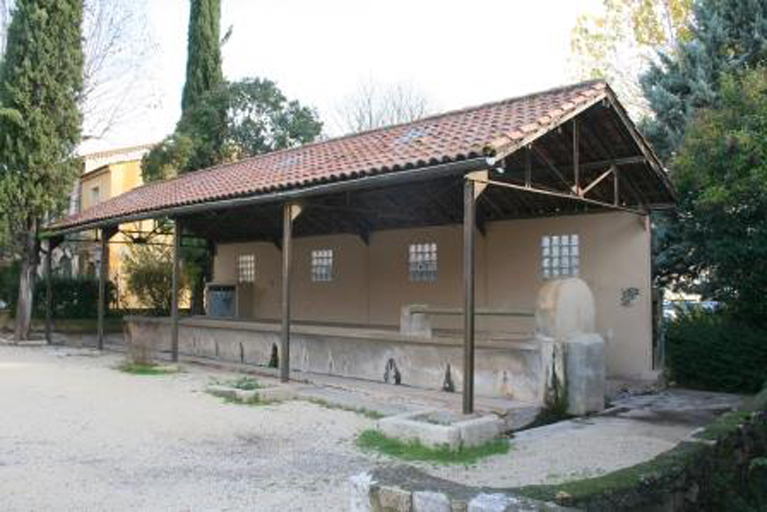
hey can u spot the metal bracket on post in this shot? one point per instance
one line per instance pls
(291, 211)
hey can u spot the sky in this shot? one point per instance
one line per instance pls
(456, 53)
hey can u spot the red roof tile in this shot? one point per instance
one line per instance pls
(482, 130)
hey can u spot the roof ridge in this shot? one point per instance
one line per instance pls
(432, 117)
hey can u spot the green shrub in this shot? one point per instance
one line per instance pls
(711, 351)
(73, 297)
(149, 271)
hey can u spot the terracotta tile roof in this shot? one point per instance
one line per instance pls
(472, 132)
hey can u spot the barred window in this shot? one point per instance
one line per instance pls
(423, 262)
(246, 268)
(560, 256)
(322, 265)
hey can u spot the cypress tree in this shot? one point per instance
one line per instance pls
(40, 85)
(727, 36)
(203, 66)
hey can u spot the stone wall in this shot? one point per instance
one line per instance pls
(511, 369)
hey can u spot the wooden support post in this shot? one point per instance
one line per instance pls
(616, 187)
(528, 167)
(576, 159)
(48, 291)
(469, 213)
(174, 291)
(289, 213)
(106, 234)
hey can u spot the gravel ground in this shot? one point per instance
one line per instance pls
(75, 434)
(637, 429)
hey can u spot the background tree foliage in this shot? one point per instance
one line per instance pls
(619, 43)
(719, 244)
(237, 120)
(726, 36)
(203, 65)
(40, 85)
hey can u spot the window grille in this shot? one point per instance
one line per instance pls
(423, 262)
(560, 256)
(246, 268)
(322, 265)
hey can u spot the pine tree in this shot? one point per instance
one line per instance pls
(203, 66)
(40, 85)
(728, 36)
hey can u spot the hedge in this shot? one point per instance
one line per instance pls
(73, 297)
(711, 351)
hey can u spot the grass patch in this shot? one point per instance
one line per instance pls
(244, 383)
(254, 402)
(373, 440)
(368, 413)
(724, 425)
(145, 369)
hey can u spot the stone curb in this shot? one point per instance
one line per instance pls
(405, 489)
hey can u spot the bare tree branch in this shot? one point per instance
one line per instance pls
(118, 48)
(373, 105)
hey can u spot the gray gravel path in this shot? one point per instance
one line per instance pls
(75, 434)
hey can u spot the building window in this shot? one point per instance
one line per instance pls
(560, 256)
(95, 195)
(246, 268)
(322, 265)
(423, 262)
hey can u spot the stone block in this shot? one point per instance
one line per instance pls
(489, 503)
(222, 391)
(276, 394)
(434, 428)
(564, 307)
(585, 374)
(394, 499)
(459, 505)
(406, 428)
(426, 501)
(268, 394)
(362, 486)
(246, 395)
(478, 431)
(413, 323)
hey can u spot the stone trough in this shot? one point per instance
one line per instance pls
(437, 428)
(261, 394)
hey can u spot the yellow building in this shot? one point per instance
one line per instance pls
(108, 174)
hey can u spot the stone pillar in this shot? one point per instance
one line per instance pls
(565, 317)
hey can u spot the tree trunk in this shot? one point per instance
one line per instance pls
(29, 261)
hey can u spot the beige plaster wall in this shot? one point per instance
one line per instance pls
(371, 283)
